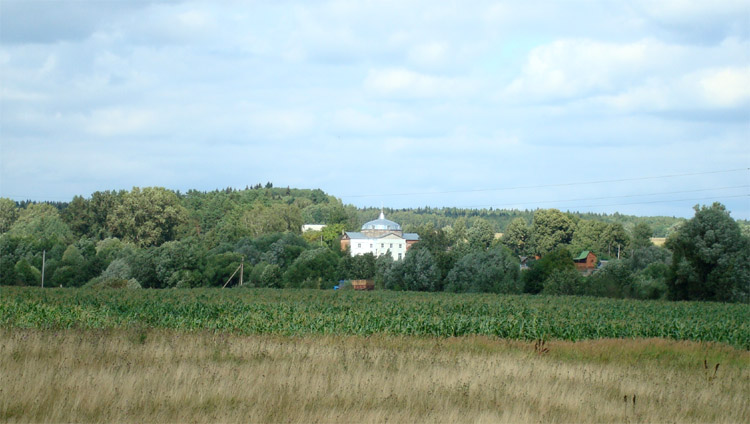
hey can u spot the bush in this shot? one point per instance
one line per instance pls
(495, 270)
(565, 282)
(539, 271)
(100, 283)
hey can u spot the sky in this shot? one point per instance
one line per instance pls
(636, 107)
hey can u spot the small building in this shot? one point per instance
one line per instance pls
(379, 237)
(586, 261)
(313, 227)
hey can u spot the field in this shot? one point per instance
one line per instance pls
(70, 355)
(304, 312)
(172, 376)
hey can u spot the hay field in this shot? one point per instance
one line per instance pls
(158, 375)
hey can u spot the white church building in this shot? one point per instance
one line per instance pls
(379, 237)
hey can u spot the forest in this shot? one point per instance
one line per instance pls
(158, 238)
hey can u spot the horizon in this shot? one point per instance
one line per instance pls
(388, 209)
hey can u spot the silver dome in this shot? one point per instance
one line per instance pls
(381, 224)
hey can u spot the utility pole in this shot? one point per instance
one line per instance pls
(240, 269)
(44, 256)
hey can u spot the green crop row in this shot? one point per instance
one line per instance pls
(300, 312)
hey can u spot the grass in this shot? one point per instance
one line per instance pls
(143, 374)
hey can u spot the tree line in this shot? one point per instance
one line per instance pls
(157, 238)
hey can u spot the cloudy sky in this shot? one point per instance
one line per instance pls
(641, 107)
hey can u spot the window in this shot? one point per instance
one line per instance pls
(382, 244)
(391, 245)
(370, 245)
(359, 244)
(399, 256)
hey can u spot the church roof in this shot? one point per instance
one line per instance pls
(381, 224)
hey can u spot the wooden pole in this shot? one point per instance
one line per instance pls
(230, 278)
(44, 256)
(242, 269)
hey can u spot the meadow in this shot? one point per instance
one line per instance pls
(318, 312)
(265, 355)
(157, 375)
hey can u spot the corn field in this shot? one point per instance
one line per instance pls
(304, 312)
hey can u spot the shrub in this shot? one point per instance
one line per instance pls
(564, 282)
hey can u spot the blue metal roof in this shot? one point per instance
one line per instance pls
(381, 224)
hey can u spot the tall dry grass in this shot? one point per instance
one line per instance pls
(161, 376)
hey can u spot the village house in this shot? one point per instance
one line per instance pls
(586, 261)
(379, 237)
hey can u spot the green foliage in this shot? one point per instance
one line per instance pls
(220, 266)
(179, 262)
(312, 268)
(147, 217)
(41, 228)
(27, 275)
(539, 271)
(517, 236)
(711, 258)
(326, 312)
(493, 271)
(117, 269)
(270, 276)
(564, 282)
(601, 238)
(8, 214)
(551, 229)
(419, 272)
(641, 238)
(481, 234)
(359, 267)
(285, 250)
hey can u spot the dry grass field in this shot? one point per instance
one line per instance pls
(140, 375)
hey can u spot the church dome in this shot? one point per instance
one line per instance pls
(381, 224)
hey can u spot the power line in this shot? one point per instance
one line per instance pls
(549, 185)
(518, 205)
(668, 201)
(608, 197)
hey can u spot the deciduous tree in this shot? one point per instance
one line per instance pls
(711, 258)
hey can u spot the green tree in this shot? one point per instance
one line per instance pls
(175, 257)
(641, 237)
(517, 236)
(79, 217)
(147, 217)
(359, 267)
(27, 275)
(285, 250)
(481, 234)
(539, 271)
(551, 229)
(564, 282)
(312, 269)
(495, 270)
(8, 214)
(420, 272)
(271, 276)
(711, 258)
(41, 228)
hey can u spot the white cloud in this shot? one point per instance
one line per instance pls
(726, 87)
(118, 121)
(567, 69)
(705, 89)
(403, 83)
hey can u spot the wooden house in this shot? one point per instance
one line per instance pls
(586, 261)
